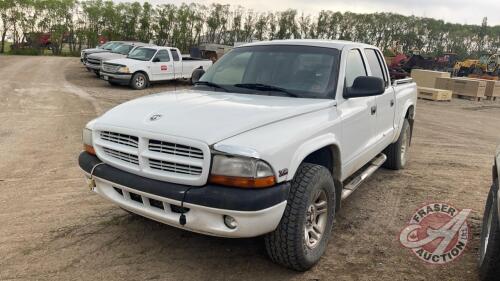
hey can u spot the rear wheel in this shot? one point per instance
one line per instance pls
(489, 252)
(139, 81)
(301, 238)
(397, 153)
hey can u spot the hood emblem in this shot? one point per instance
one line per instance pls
(155, 117)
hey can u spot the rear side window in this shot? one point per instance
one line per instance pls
(175, 55)
(355, 67)
(163, 56)
(375, 64)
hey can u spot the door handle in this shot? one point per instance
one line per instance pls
(374, 109)
(392, 103)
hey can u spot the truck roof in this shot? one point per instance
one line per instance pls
(336, 44)
(159, 47)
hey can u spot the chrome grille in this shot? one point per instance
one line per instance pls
(174, 167)
(126, 157)
(122, 139)
(108, 67)
(94, 61)
(175, 149)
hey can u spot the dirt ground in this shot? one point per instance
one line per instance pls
(53, 228)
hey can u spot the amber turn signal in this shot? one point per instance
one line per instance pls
(243, 182)
(88, 148)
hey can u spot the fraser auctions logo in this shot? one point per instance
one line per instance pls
(437, 233)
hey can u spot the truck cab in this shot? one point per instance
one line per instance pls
(149, 64)
(94, 61)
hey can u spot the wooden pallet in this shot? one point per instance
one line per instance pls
(434, 94)
(471, 98)
(491, 98)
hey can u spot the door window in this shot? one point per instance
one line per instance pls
(355, 67)
(163, 56)
(175, 55)
(375, 64)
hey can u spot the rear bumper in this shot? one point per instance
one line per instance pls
(256, 211)
(123, 78)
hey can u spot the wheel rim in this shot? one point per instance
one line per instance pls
(139, 81)
(316, 219)
(487, 233)
(405, 143)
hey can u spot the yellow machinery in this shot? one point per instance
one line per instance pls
(487, 64)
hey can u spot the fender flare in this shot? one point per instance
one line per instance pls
(407, 106)
(311, 146)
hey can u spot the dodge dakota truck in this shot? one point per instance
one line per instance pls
(106, 47)
(94, 61)
(268, 142)
(151, 64)
(489, 252)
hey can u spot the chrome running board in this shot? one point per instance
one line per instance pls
(363, 175)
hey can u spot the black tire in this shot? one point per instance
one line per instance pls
(112, 83)
(139, 81)
(287, 245)
(97, 73)
(489, 253)
(397, 153)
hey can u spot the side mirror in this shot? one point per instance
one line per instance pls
(365, 86)
(156, 60)
(197, 74)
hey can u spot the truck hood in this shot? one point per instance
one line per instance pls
(106, 56)
(206, 116)
(95, 50)
(125, 61)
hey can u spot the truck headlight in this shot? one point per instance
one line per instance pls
(241, 172)
(88, 145)
(123, 69)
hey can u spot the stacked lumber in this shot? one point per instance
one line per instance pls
(466, 88)
(427, 78)
(426, 82)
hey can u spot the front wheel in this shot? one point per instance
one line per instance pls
(489, 252)
(302, 235)
(397, 153)
(139, 81)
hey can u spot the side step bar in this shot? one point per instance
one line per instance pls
(363, 175)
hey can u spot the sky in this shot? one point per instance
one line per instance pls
(456, 11)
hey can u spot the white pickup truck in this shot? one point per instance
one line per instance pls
(151, 64)
(94, 61)
(106, 47)
(268, 142)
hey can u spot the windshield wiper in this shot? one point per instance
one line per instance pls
(264, 87)
(210, 84)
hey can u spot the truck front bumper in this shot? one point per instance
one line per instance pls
(256, 211)
(115, 77)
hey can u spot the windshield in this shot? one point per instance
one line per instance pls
(105, 45)
(112, 45)
(278, 70)
(143, 54)
(122, 49)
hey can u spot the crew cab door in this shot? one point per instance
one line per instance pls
(177, 63)
(162, 66)
(359, 118)
(385, 103)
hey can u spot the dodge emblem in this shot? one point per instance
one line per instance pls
(155, 117)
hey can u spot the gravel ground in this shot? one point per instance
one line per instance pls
(53, 228)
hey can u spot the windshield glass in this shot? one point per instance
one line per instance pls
(144, 54)
(112, 45)
(122, 49)
(105, 45)
(278, 70)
